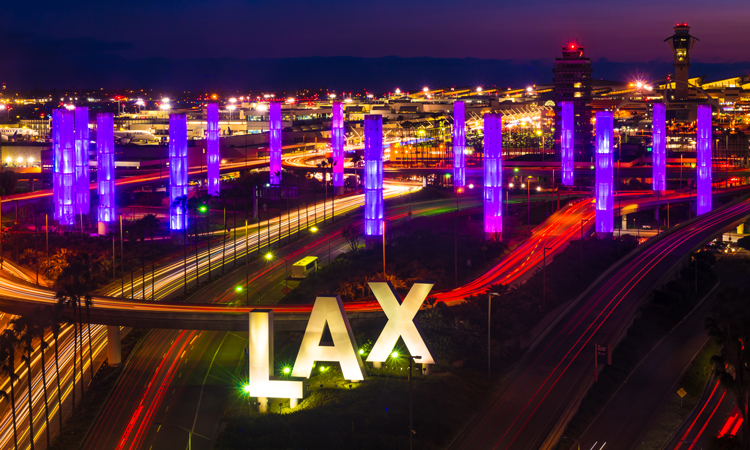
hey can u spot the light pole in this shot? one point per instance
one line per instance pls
(544, 276)
(489, 330)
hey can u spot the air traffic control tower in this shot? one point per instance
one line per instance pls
(681, 43)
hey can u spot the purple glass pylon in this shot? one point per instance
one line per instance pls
(659, 148)
(459, 144)
(178, 176)
(338, 140)
(703, 163)
(83, 180)
(105, 166)
(212, 148)
(66, 206)
(604, 184)
(566, 143)
(274, 142)
(493, 176)
(56, 157)
(373, 175)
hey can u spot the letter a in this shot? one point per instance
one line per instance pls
(260, 352)
(329, 310)
(400, 321)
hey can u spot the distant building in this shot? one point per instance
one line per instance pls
(572, 79)
(681, 43)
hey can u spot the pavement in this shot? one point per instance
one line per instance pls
(625, 419)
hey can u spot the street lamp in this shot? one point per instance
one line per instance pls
(489, 329)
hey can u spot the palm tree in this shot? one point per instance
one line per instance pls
(8, 343)
(24, 329)
(41, 320)
(66, 299)
(53, 312)
(77, 282)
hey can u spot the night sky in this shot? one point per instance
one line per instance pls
(92, 43)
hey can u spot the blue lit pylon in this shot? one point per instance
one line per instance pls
(493, 176)
(459, 145)
(604, 175)
(373, 175)
(659, 148)
(178, 182)
(703, 163)
(212, 148)
(105, 168)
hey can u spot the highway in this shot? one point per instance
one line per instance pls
(624, 420)
(540, 389)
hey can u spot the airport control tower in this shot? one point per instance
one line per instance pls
(681, 44)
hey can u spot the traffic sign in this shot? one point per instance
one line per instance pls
(278, 192)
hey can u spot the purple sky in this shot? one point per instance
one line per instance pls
(524, 29)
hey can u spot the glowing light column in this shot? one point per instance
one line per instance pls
(703, 165)
(56, 157)
(212, 148)
(178, 181)
(659, 148)
(373, 176)
(105, 170)
(493, 176)
(274, 142)
(338, 139)
(65, 205)
(459, 145)
(604, 184)
(83, 194)
(566, 143)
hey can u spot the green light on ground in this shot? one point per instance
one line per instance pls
(246, 389)
(286, 370)
(203, 209)
(394, 355)
(238, 289)
(323, 368)
(361, 351)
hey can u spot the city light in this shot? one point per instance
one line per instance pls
(703, 147)
(566, 143)
(268, 255)
(373, 175)
(314, 229)
(232, 100)
(212, 148)
(459, 144)
(425, 89)
(398, 91)
(274, 143)
(604, 175)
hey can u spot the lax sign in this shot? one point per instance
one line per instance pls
(330, 310)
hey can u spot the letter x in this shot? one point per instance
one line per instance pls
(400, 321)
